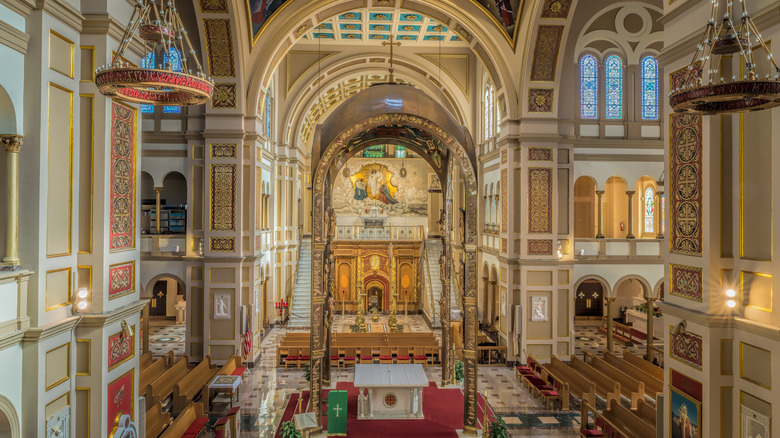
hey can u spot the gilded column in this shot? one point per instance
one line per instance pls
(630, 194)
(12, 143)
(650, 306)
(157, 191)
(610, 324)
(659, 205)
(470, 323)
(444, 265)
(600, 215)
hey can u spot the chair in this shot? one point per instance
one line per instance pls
(385, 355)
(304, 357)
(335, 359)
(349, 357)
(420, 357)
(553, 394)
(404, 355)
(433, 354)
(366, 356)
(293, 357)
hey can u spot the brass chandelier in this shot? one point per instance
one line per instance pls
(160, 28)
(704, 90)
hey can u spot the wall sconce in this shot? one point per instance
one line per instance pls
(731, 302)
(80, 299)
(127, 331)
(680, 327)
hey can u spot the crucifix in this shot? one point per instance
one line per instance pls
(391, 44)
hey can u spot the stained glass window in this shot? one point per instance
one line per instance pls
(378, 151)
(649, 88)
(614, 87)
(489, 112)
(400, 152)
(147, 62)
(649, 210)
(172, 57)
(268, 114)
(589, 87)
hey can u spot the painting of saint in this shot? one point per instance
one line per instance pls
(377, 183)
(261, 10)
(686, 415)
(360, 189)
(506, 12)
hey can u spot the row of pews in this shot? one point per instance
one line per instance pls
(175, 392)
(610, 378)
(351, 348)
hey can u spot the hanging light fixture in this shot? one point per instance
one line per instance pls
(161, 29)
(704, 90)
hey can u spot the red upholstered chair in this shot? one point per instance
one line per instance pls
(293, 357)
(335, 360)
(196, 427)
(349, 357)
(551, 395)
(404, 355)
(385, 355)
(591, 433)
(304, 357)
(420, 357)
(366, 356)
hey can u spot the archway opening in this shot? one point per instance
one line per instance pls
(167, 315)
(585, 226)
(589, 300)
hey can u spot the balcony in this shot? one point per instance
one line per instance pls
(618, 249)
(13, 295)
(387, 233)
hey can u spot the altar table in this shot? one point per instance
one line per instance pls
(389, 391)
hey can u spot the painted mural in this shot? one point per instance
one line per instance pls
(367, 183)
(261, 11)
(506, 12)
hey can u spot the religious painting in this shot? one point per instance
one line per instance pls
(539, 309)
(261, 10)
(505, 12)
(685, 415)
(754, 424)
(120, 349)
(119, 399)
(378, 185)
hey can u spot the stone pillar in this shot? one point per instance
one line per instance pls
(494, 304)
(650, 306)
(600, 215)
(630, 194)
(486, 302)
(610, 325)
(157, 191)
(659, 205)
(12, 143)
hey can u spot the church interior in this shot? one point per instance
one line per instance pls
(384, 218)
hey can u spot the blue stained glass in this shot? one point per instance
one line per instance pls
(649, 210)
(268, 114)
(172, 56)
(614, 87)
(400, 152)
(649, 88)
(377, 151)
(589, 87)
(147, 62)
(488, 112)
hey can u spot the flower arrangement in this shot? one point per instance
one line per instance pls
(643, 308)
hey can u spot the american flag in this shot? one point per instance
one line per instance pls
(247, 340)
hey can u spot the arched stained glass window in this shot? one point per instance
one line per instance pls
(489, 111)
(147, 62)
(614, 87)
(267, 112)
(589, 87)
(649, 88)
(400, 152)
(172, 57)
(649, 210)
(377, 151)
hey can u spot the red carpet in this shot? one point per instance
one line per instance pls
(443, 410)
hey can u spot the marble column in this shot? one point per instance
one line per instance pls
(610, 325)
(630, 234)
(157, 192)
(600, 214)
(12, 143)
(650, 306)
(659, 205)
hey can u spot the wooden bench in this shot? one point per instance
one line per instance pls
(560, 391)
(145, 360)
(233, 367)
(579, 386)
(190, 422)
(628, 421)
(646, 412)
(150, 374)
(188, 388)
(631, 388)
(162, 387)
(606, 388)
(156, 420)
(653, 386)
(644, 365)
(601, 425)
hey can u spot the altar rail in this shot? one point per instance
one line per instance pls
(359, 232)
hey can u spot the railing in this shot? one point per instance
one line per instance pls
(359, 232)
(13, 295)
(492, 228)
(290, 286)
(424, 255)
(640, 249)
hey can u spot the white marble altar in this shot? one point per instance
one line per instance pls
(390, 391)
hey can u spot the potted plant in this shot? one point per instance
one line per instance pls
(289, 430)
(643, 308)
(307, 371)
(459, 370)
(498, 428)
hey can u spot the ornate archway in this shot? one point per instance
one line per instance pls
(449, 148)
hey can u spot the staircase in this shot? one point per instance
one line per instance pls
(433, 251)
(300, 313)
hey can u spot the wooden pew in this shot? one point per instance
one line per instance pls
(631, 388)
(646, 413)
(606, 388)
(156, 420)
(188, 424)
(601, 427)
(187, 389)
(579, 386)
(150, 374)
(652, 385)
(628, 421)
(162, 387)
(559, 386)
(233, 367)
(644, 365)
(145, 360)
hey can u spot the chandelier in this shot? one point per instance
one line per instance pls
(702, 89)
(172, 83)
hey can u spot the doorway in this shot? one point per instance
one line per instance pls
(374, 297)
(589, 300)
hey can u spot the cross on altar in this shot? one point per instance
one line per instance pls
(391, 44)
(338, 409)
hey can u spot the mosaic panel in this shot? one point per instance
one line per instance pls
(540, 247)
(687, 347)
(214, 6)
(540, 100)
(504, 183)
(121, 280)
(224, 151)
(539, 200)
(223, 197)
(556, 9)
(222, 244)
(220, 47)
(122, 190)
(224, 96)
(540, 154)
(548, 41)
(686, 282)
(686, 194)
(120, 349)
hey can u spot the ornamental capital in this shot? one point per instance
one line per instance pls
(11, 142)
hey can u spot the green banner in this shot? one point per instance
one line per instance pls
(337, 413)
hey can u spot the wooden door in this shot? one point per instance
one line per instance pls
(159, 299)
(589, 300)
